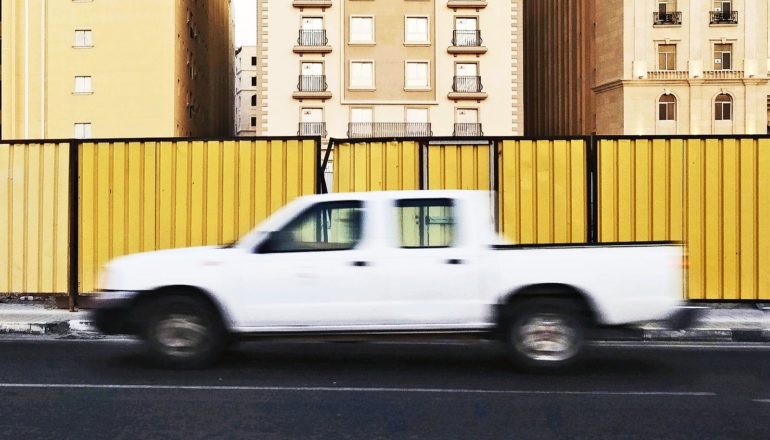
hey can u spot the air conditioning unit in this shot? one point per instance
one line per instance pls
(717, 61)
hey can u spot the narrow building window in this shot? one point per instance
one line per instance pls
(723, 56)
(82, 130)
(83, 38)
(83, 84)
(667, 108)
(723, 107)
(667, 57)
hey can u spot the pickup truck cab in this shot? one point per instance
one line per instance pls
(385, 264)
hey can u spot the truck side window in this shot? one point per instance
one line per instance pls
(426, 223)
(330, 226)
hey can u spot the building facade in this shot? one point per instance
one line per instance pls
(246, 91)
(355, 68)
(648, 67)
(94, 68)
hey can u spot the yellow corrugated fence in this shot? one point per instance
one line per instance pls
(34, 217)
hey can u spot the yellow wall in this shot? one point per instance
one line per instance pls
(134, 65)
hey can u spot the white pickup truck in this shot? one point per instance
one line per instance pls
(385, 264)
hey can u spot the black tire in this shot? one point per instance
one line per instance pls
(544, 334)
(183, 332)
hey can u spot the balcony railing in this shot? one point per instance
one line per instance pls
(467, 84)
(723, 74)
(312, 37)
(468, 129)
(312, 83)
(388, 129)
(724, 17)
(466, 38)
(312, 129)
(668, 74)
(663, 18)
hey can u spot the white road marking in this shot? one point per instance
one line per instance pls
(675, 344)
(356, 389)
(761, 400)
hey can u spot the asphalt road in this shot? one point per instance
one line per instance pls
(106, 389)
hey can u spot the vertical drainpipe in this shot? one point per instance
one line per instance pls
(43, 56)
(26, 69)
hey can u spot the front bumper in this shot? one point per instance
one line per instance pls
(114, 316)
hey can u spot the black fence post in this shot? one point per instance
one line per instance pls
(322, 166)
(74, 225)
(422, 163)
(494, 154)
(592, 189)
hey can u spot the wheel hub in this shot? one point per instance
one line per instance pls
(179, 333)
(546, 337)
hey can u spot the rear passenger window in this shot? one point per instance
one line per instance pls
(426, 223)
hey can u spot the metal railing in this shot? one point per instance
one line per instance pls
(388, 129)
(312, 37)
(724, 17)
(312, 129)
(674, 17)
(312, 83)
(467, 84)
(468, 129)
(466, 38)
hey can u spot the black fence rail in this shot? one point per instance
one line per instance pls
(389, 129)
(312, 37)
(467, 84)
(467, 129)
(312, 83)
(724, 17)
(663, 18)
(466, 38)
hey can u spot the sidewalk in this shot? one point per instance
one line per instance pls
(718, 323)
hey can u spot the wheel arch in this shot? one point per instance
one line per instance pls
(556, 291)
(145, 299)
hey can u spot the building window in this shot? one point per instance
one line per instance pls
(83, 84)
(666, 6)
(723, 107)
(254, 81)
(667, 57)
(253, 61)
(362, 74)
(82, 130)
(417, 75)
(667, 108)
(253, 121)
(253, 100)
(723, 56)
(83, 38)
(416, 30)
(362, 29)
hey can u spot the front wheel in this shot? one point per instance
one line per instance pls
(545, 335)
(183, 332)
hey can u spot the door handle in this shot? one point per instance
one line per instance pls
(455, 261)
(360, 263)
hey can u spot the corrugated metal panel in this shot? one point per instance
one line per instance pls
(376, 166)
(542, 191)
(34, 218)
(707, 192)
(142, 196)
(640, 190)
(458, 167)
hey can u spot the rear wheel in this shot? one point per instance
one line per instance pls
(545, 334)
(183, 332)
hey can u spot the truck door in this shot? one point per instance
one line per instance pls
(431, 272)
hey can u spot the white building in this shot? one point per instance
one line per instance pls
(246, 91)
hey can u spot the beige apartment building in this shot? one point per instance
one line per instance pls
(381, 68)
(108, 68)
(246, 91)
(647, 67)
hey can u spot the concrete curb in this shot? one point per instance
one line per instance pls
(71, 327)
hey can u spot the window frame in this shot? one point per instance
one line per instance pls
(84, 125)
(334, 204)
(426, 40)
(721, 57)
(669, 112)
(670, 57)
(427, 202)
(88, 39)
(427, 85)
(370, 86)
(719, 108)
(84, 80)
(373, 36)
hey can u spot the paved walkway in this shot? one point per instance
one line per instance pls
(720, 322)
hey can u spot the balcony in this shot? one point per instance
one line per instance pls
(468, 129)
(724, 17)
(723, 74)
(312, 87)
(312, 41)
(668, 74)
(466, 42)
(312, 129)
(389, 129)
(466, 4)
(302, 4)
(667, 18)
(467, 88)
